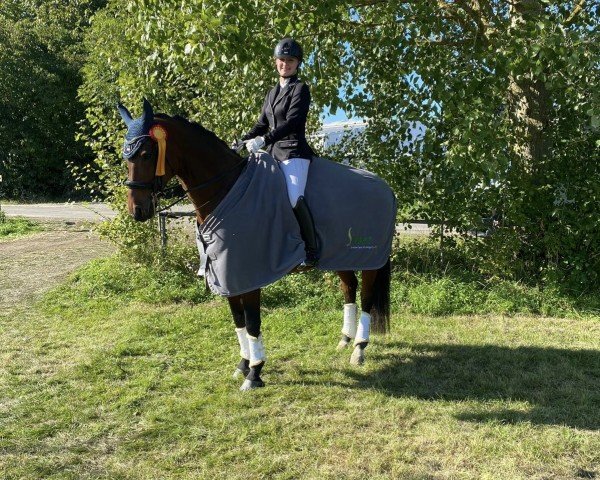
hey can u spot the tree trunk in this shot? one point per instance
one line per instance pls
(529, 105)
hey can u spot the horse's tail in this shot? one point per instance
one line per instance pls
(380, 312)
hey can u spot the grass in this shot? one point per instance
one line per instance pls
(429, 283)
(120, 374)
(16, 227)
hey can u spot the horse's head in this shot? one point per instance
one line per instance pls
(144, 141)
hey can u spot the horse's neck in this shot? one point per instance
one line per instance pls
(206, 200)
(202, 160)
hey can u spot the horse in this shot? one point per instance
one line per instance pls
(207, 168)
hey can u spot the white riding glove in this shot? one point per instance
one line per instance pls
(255, 144)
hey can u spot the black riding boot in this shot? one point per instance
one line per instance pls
(308, 232)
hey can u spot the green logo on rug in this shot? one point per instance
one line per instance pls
(359, 241)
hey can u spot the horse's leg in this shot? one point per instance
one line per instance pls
(364, 323)
(237, 311)
(251, 305)
(348, 284)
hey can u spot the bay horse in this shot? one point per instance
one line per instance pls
(207, 169)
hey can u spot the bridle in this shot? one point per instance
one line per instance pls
(158, 188)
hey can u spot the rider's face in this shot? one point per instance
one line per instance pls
(286, 66)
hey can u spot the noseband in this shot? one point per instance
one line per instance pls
(155, 185)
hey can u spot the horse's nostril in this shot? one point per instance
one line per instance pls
(137, 213)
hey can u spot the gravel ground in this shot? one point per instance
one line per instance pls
(74, 212)
(32, 265)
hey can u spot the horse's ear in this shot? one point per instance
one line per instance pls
(125, 115)
(148, 114)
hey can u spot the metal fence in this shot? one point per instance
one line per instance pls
(412, 227)
(416, 227)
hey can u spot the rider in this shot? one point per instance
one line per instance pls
(281, 130)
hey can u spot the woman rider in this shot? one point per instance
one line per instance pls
(281, 129)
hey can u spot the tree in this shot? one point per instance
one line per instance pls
(508, 93)
(40, 58)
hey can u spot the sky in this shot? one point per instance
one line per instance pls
(340, 116)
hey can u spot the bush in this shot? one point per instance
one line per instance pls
(306, 290)
(117, 277)
(15, 227)
(440, 297)
(423, 281)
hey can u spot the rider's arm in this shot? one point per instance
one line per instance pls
(262, 125)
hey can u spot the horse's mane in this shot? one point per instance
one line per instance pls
(195, 126)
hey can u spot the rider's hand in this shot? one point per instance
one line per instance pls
(236, 145)
(255, 144)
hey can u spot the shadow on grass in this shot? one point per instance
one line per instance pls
(560, 386)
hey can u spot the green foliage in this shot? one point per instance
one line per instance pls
(40, 58)
(151, 271)
(308, 290)
(423, 282)
(507, 95)
(137, 241)
(451, 296)
(430, 281)
(16, 227)
(118, 279)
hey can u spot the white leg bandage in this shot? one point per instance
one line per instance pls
(257, 350)
(349, 327)
(364, 327)
(244, 344)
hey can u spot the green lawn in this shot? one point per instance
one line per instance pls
(94, 385)
(16, 227)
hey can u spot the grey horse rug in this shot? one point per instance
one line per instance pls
(252, 237)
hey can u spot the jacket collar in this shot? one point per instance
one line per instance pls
(288, 90)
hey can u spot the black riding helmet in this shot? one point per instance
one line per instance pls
(288, 47)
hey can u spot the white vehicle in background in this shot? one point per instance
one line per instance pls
(332, 133)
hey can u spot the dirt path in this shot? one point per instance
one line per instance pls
(74, 212)
(32, 265)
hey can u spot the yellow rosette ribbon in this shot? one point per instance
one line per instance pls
(159, 134)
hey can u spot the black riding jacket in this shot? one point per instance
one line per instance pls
(282, 121)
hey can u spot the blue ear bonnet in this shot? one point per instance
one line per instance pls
(137, 129)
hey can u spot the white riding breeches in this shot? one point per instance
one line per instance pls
(295, 171)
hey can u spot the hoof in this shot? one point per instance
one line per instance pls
(251, 385)
(239, 373)
(243, 369)
(358, 356)
(344, 342)
(308, 264)
(303, 268)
